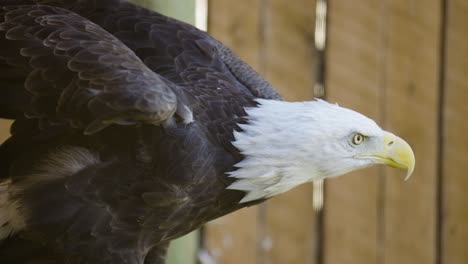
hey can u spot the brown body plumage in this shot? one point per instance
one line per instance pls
(124, 122)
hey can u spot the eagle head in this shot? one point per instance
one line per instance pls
(286, 144)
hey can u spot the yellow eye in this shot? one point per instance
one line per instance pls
(358, 138)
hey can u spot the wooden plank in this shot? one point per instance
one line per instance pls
(237, 25)
(455, 149)
(288, 47)
(289, 228)
(4, 129)
(411, 106)
(354, 80)
(288, 63)
(379, 45)
(233, 239)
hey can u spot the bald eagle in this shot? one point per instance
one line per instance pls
(132, 129)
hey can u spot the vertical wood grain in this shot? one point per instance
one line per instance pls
(288, 47)
(4, 129)
(383, 60)
(411, 107)
(232, 239)
(455, 127)
(354, 79)
(237, 25)
(288, 54)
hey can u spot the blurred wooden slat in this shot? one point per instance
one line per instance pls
(413, 31)
(237, 25)
(4, 129)
(289, 65)
(392, 46)
(290, 229)
(455, 151)
(288, 47)
(354, 80)
(233, 238)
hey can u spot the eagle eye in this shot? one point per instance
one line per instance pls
(358, 138)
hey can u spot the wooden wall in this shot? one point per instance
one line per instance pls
(454, 136)
(404, 64)
(384, 60)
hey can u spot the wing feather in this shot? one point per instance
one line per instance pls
(79, 73)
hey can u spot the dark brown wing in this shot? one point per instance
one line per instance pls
(76, 72)
(161, 41)
(158, 40)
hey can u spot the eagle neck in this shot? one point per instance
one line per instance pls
(273, 149)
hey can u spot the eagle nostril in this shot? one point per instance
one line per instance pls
(390, 143)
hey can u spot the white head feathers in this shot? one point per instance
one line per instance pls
(289, 143)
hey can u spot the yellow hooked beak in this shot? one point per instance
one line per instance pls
(395, 153)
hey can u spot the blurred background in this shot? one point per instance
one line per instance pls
(403, 63)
